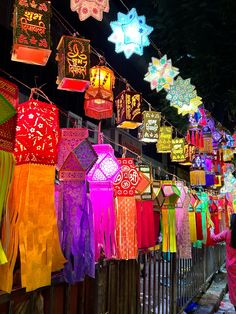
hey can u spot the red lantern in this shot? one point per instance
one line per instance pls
(9, 91)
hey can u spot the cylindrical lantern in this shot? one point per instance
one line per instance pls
(128, 109)
(149, 130)
(98, 102)
(177, 150)
(164, 143)
(73, 64)
(31, 31)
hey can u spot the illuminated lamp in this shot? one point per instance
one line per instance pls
(130, 33)
(144, 188)
(164, 143)
(177, 150)
(207, 141)
(218, 181)
(128, 109)
(87, 8)
(31, 32)
(189, 152)
(9, 91)
(197, 172)
(228, 154)
(98, 102)
(73, 59)
(149, 130)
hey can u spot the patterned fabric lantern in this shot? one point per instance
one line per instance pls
(126, 216)
(164, 143)
(31, 31)
(130, 33)
(6, 109)
(149, 130)
(101, 178)
(76, 156)
(177, 150)
(98, 102)
(87, 8)
(128, 109)
(73, 64)
(9, 91)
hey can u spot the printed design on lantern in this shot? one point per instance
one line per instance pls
(6, 109)
(36, 133)
(130, 33)
(229, 180)
(164, 142)
(149, 131)
(161, 73)
(7, 134)
(128, 178)
(178, 150)
(76, 58)
(9, 91)
(191, 108)
(87, 8)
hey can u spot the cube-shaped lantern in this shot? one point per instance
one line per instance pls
(164, 143)
(177, 150)
(73, 64)
(168, 194)
(9, 91)
(98, 102)
(128, 109)
(149, 130)
(183, 192)
(31, 31)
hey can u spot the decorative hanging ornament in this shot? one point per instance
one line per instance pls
(197, 172)
(189, 152)
(31, 31)
(161, 73)
(9, 91)
(98, 102)
(164, 143)
(73, 59)
(144, 188)
(130, 33)
(149, 130)
(128, 109)
(87, 8)
(178, 150)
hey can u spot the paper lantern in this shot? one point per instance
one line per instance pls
(73, 59)
(6, 109)
(189, 152)
(168, 194)
(87, 8)
(128, 109)
(144, 187)
(37, 133)
(177, 150)
(164, 143)
(9, 91)
(228, 154)
(197, 173)
(149, 130)
(31, 31)
(161, 73)
(98, 102)
(130, 33)
(194, 199)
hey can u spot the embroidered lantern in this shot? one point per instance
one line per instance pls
(177, 150)
(128, 109)
(149, 130)
(98, 102)
(9, 91)
(164, 143)
(73, 64)
(87, 8)
(31, 31)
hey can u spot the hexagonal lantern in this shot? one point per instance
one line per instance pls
(144, 188)
(168, 194)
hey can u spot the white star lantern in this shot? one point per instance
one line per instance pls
(87, 8)
(130, 33)
(161, 73)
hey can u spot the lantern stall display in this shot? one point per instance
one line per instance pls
(128, 109)
(101, 178)
(76, 156)
(149, 130)
(178, 150)
(93, 8)
(126, 216)
(31, 32)
(73, 59)
(98, 102)
(32, 217)
(164, 143)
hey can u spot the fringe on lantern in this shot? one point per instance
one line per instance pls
(102, 200)
(192, 225)
(7, 164)
(126, 227)
(197, 177)
(168, 230)
(31, 228)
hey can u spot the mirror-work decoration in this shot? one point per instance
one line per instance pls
(164, 143)
(87, 8)
(149, 130)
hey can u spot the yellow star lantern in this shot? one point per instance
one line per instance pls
(191, 108)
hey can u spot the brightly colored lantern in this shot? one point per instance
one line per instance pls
(9, 91)
(128, 109)
(73, 64)
(164, 143)
(6, 109)
(149, 130)
(144, 188)
(98, 102)
(177, 150)
(87, 8)
(130, 33)
(31, 31)
(189, 152)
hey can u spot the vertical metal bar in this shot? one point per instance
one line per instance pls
(149, 281)
(51, 300)
(11, 307)
(163, 287)
(159, 283)
(167, 265)
(67, 299)
(154, 280)
(144, 283)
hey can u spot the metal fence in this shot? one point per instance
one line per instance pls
(156, 283)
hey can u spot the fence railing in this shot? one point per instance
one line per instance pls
(155, 283)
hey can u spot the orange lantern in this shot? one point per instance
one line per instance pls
(99, 96)
(31, 31)
(73, 64)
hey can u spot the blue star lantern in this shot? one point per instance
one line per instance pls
(130, 33)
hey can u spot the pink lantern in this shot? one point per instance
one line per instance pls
(101, 178)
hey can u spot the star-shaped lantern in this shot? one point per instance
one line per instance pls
(87, 8)
(161, 73)
(191, 108)
(130, 33)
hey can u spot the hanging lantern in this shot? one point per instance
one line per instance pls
(177, 150)
(9, 91)
(31, 32)
(197, 172)
(189, 152)
(130, 33)
(128, 109)
(73, 64)
(169, 193)
(144, 188)
(164, 142)
(6, 109)
(218, 181)
(149, 130)
(207, 141)
(98, 102)
(228, 154)
(93, 8)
